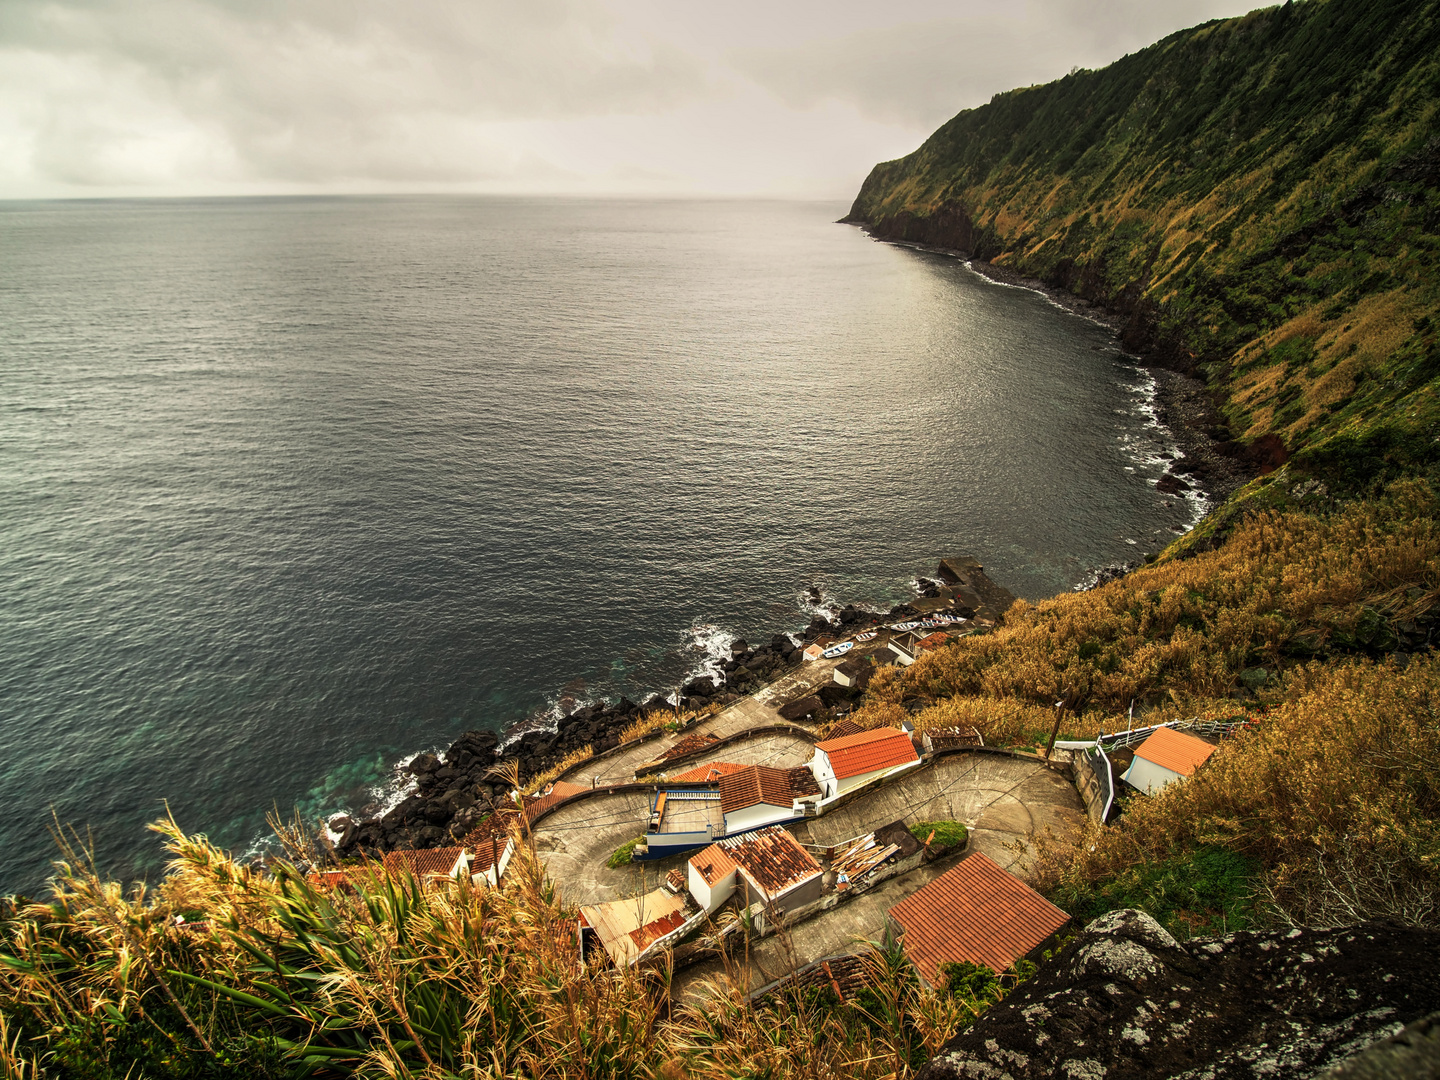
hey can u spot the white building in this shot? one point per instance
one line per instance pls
(767, 866)
(759, 795)
(1166, 756)
(842, 765)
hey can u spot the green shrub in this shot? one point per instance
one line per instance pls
(950, 834)
(624, 854)
(1206, 890)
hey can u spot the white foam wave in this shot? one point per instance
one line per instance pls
(709, 644)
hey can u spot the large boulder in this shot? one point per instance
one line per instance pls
(1126, 1001)
(798, 710)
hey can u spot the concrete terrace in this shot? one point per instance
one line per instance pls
(1002, 799)
(755, 711)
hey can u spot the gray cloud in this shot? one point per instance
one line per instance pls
(920, 73)
(553, 95)
(328, 89)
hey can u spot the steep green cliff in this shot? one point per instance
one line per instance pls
(1257, 198)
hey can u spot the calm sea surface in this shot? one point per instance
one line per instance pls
(291, 488)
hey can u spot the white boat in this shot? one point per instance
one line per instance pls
(838, 650)
(904, 626)
(869, 635)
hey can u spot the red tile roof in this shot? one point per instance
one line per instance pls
(771, 858)
(757, 784)
(559, 792)
(706, 774)
(484, 854)
(974, 912)
(869, 751)
(432, 861)
(1175, 750)
(713, 864)
(330, 879)
(933, 641)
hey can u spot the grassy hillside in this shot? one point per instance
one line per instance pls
(1257, 198)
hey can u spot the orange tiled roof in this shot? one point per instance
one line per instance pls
(706, 774)
(713, 863)
(933, 641)
(559, 791)
(974, 912)
(423, 863)
(755, 784)
(484, 853)
(771, 858)
(1175, 750)
(881, 748)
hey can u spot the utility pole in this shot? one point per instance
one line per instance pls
(1054, 731)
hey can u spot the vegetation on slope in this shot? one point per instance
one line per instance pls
(1259, 197)
(275, 976)
(1323, 812)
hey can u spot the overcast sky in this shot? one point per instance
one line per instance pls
(781, 97)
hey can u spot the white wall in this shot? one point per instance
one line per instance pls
(709, 898)
(752, 817)
(824, 774)
(1149, 777)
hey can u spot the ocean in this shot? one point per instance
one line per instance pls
(293, 488)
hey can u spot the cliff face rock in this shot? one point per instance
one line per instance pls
(1241, 201)
(1126, 1000)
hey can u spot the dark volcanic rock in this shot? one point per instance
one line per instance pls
(700, 686)
(1125, 1001)
(798, 710)
(1170, 484)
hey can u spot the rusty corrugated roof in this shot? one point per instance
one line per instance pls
(1175, 750)
(869, 751)
(845, 727)
(647, 935)
(974, 912)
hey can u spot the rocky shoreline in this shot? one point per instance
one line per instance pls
(456, 789)
(451, 792)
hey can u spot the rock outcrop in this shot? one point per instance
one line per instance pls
(1126, 1001)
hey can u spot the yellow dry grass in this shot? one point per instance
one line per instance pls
(1283, 582)
(1335, 791)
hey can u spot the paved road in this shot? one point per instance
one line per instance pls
(757, 710)
(576, 840)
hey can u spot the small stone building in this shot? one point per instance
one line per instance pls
(1166, 756)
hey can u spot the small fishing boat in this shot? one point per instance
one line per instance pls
(838, 650)
(904, 626)
(869, 635)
